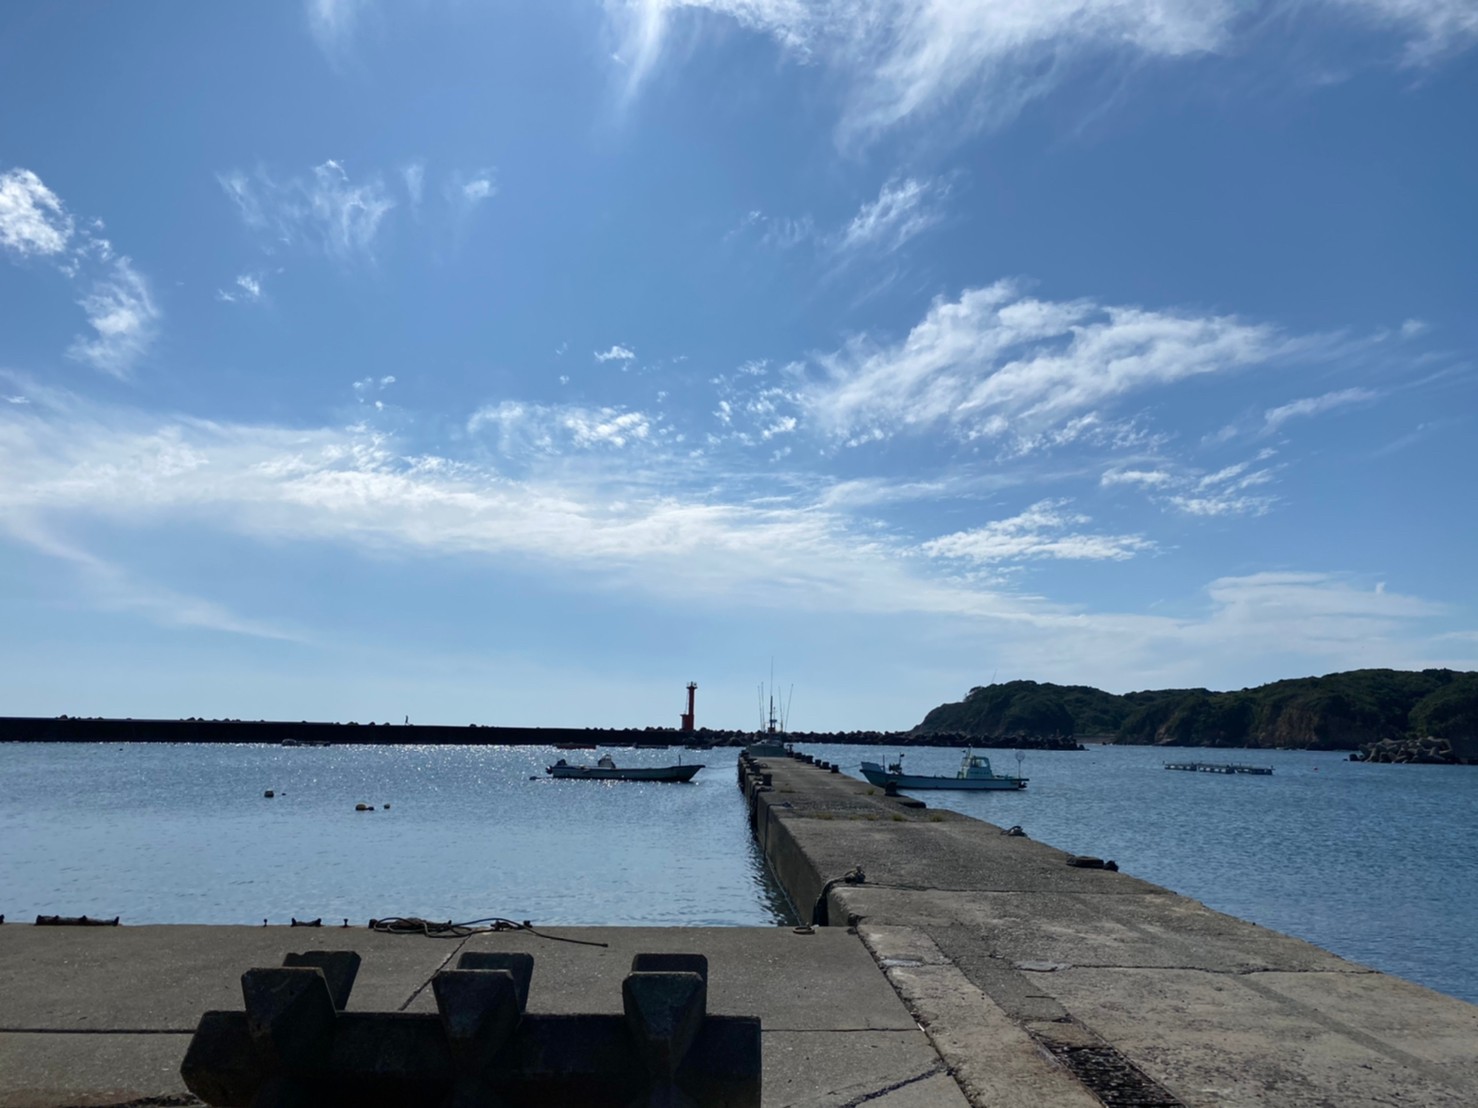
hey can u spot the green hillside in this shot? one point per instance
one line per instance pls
(1340, 711)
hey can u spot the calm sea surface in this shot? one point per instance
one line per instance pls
(1376, 863)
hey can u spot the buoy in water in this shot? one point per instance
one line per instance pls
(268, 795)
(386, 807)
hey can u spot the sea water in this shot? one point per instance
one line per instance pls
(182, 833)
(1375, 863)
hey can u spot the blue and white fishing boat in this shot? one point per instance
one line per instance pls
(974, 774)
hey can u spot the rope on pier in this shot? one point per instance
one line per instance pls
(820, 914)
(414, 925)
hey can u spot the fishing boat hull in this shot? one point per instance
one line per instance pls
(599, 773)
(877, 775)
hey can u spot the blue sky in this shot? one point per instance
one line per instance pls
(520, 362)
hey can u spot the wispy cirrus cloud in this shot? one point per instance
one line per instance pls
(332, 23)
(901, 60)
(1046, 530)
(1274, 418)
(1433, 28)
(124, 319)
(671, 533)
(120, 307)
(325, 210)
(414, 176)
(904, 208)
(522, 427)
(1238, 489)
(997, 363)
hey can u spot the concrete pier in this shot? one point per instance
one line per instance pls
(1046, 983)
(102, 1015)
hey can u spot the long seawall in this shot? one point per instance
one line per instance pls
(1042, 979)
(83, 729)
(79, 729)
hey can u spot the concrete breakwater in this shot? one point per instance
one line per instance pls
(74, 729)
(1043, 978)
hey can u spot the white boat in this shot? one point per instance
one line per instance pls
(974, 774)
(607, 770)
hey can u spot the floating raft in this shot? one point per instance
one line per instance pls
(1220, 767)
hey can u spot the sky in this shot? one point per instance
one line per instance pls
(519, 362)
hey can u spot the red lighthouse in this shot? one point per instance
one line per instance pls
(688, 715)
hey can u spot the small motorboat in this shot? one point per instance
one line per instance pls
(974, 774)
(607, 770)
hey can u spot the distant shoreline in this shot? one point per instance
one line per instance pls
(278, 732)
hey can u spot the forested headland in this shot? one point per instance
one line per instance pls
(1355, 710)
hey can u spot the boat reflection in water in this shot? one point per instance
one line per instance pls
(974, 774)
(606, 770)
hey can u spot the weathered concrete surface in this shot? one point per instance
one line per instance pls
(98, 1016)
(1006, 954)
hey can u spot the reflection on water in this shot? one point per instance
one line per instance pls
(182, 833)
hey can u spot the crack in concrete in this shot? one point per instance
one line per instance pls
(932, 1071)
(421, 988)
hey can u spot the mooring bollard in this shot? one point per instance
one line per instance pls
(295, 1044)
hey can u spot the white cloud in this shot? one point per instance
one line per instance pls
(332, 22)
(247, 289)
(1436, 27)
(616, 353)
(33, 220)
(1238, 489)
(325, 210)
(1044, 530)
(903, 209)
(366, 387)
(1274, 418)
(662, 525)
(775, 232)
(903, 59)
(1313, 607)
(121, 310)
(414, 175)
(479, 188)
(996, 363)
(537, 428)
(1145, 478)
